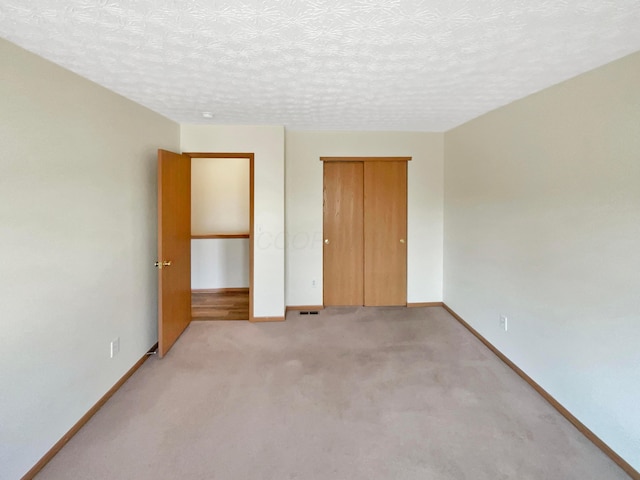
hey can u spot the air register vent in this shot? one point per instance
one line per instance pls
(312, 312)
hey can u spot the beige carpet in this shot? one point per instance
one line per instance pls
(348, 394)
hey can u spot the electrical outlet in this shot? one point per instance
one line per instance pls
(504, 322)
(115, 347)
(314, 283)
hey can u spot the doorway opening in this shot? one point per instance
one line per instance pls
(222, 235)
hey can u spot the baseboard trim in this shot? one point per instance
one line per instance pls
(425, 304)
(303, 308)
(85, 418)
(222, 290)
(267, 319)
(582, 428)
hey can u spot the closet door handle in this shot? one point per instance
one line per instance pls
(402, 240)
(326, 241)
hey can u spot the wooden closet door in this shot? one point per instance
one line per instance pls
(385, 233)
(343, 233)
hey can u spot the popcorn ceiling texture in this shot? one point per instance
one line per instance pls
(331, 64)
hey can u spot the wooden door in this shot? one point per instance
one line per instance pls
(385, 233)
(174, 247)
(343, 233)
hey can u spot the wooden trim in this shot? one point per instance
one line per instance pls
(365, 159)
(220, 235)
(222, 290)
(606, 449)
(218, 155)
(251, 230)
(85, 418)
(251, 158)
(303, 308)
(267, 319)
(425, 304)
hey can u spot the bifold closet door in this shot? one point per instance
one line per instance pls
(343, 233)
(385, 233)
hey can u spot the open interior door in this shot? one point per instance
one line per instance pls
(174, 247)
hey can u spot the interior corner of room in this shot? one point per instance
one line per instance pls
(528, 216)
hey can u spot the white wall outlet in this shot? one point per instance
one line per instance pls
(504, 322)
(314, 283)
(115, 347)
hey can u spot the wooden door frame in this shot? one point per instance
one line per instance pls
(365, 159)
(370, 159)
(251, 158)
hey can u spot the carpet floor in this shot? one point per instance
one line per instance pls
(352, 393)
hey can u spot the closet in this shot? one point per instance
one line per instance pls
(365, 231)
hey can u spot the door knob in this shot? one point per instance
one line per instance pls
(165, 263)
(326, 241)
(402, 240)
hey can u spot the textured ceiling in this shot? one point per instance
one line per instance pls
(359, 64)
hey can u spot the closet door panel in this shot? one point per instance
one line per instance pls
(343, 233)
(385, 233)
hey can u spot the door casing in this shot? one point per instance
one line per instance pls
(251, 158)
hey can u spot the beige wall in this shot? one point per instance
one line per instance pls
(267, 143)
(219, 204)
(304, 206)
(542, 224)
(219, 195)
(77, 246)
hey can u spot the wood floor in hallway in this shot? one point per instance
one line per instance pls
(230, 304)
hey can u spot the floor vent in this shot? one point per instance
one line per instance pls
(315, 312)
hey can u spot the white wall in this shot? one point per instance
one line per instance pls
(304, 206)
(219, 263)
(542, 224)
(77, 246)
(267, 143)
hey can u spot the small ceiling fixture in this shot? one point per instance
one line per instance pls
(207, 115)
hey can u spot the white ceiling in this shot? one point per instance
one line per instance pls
(425, 65)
